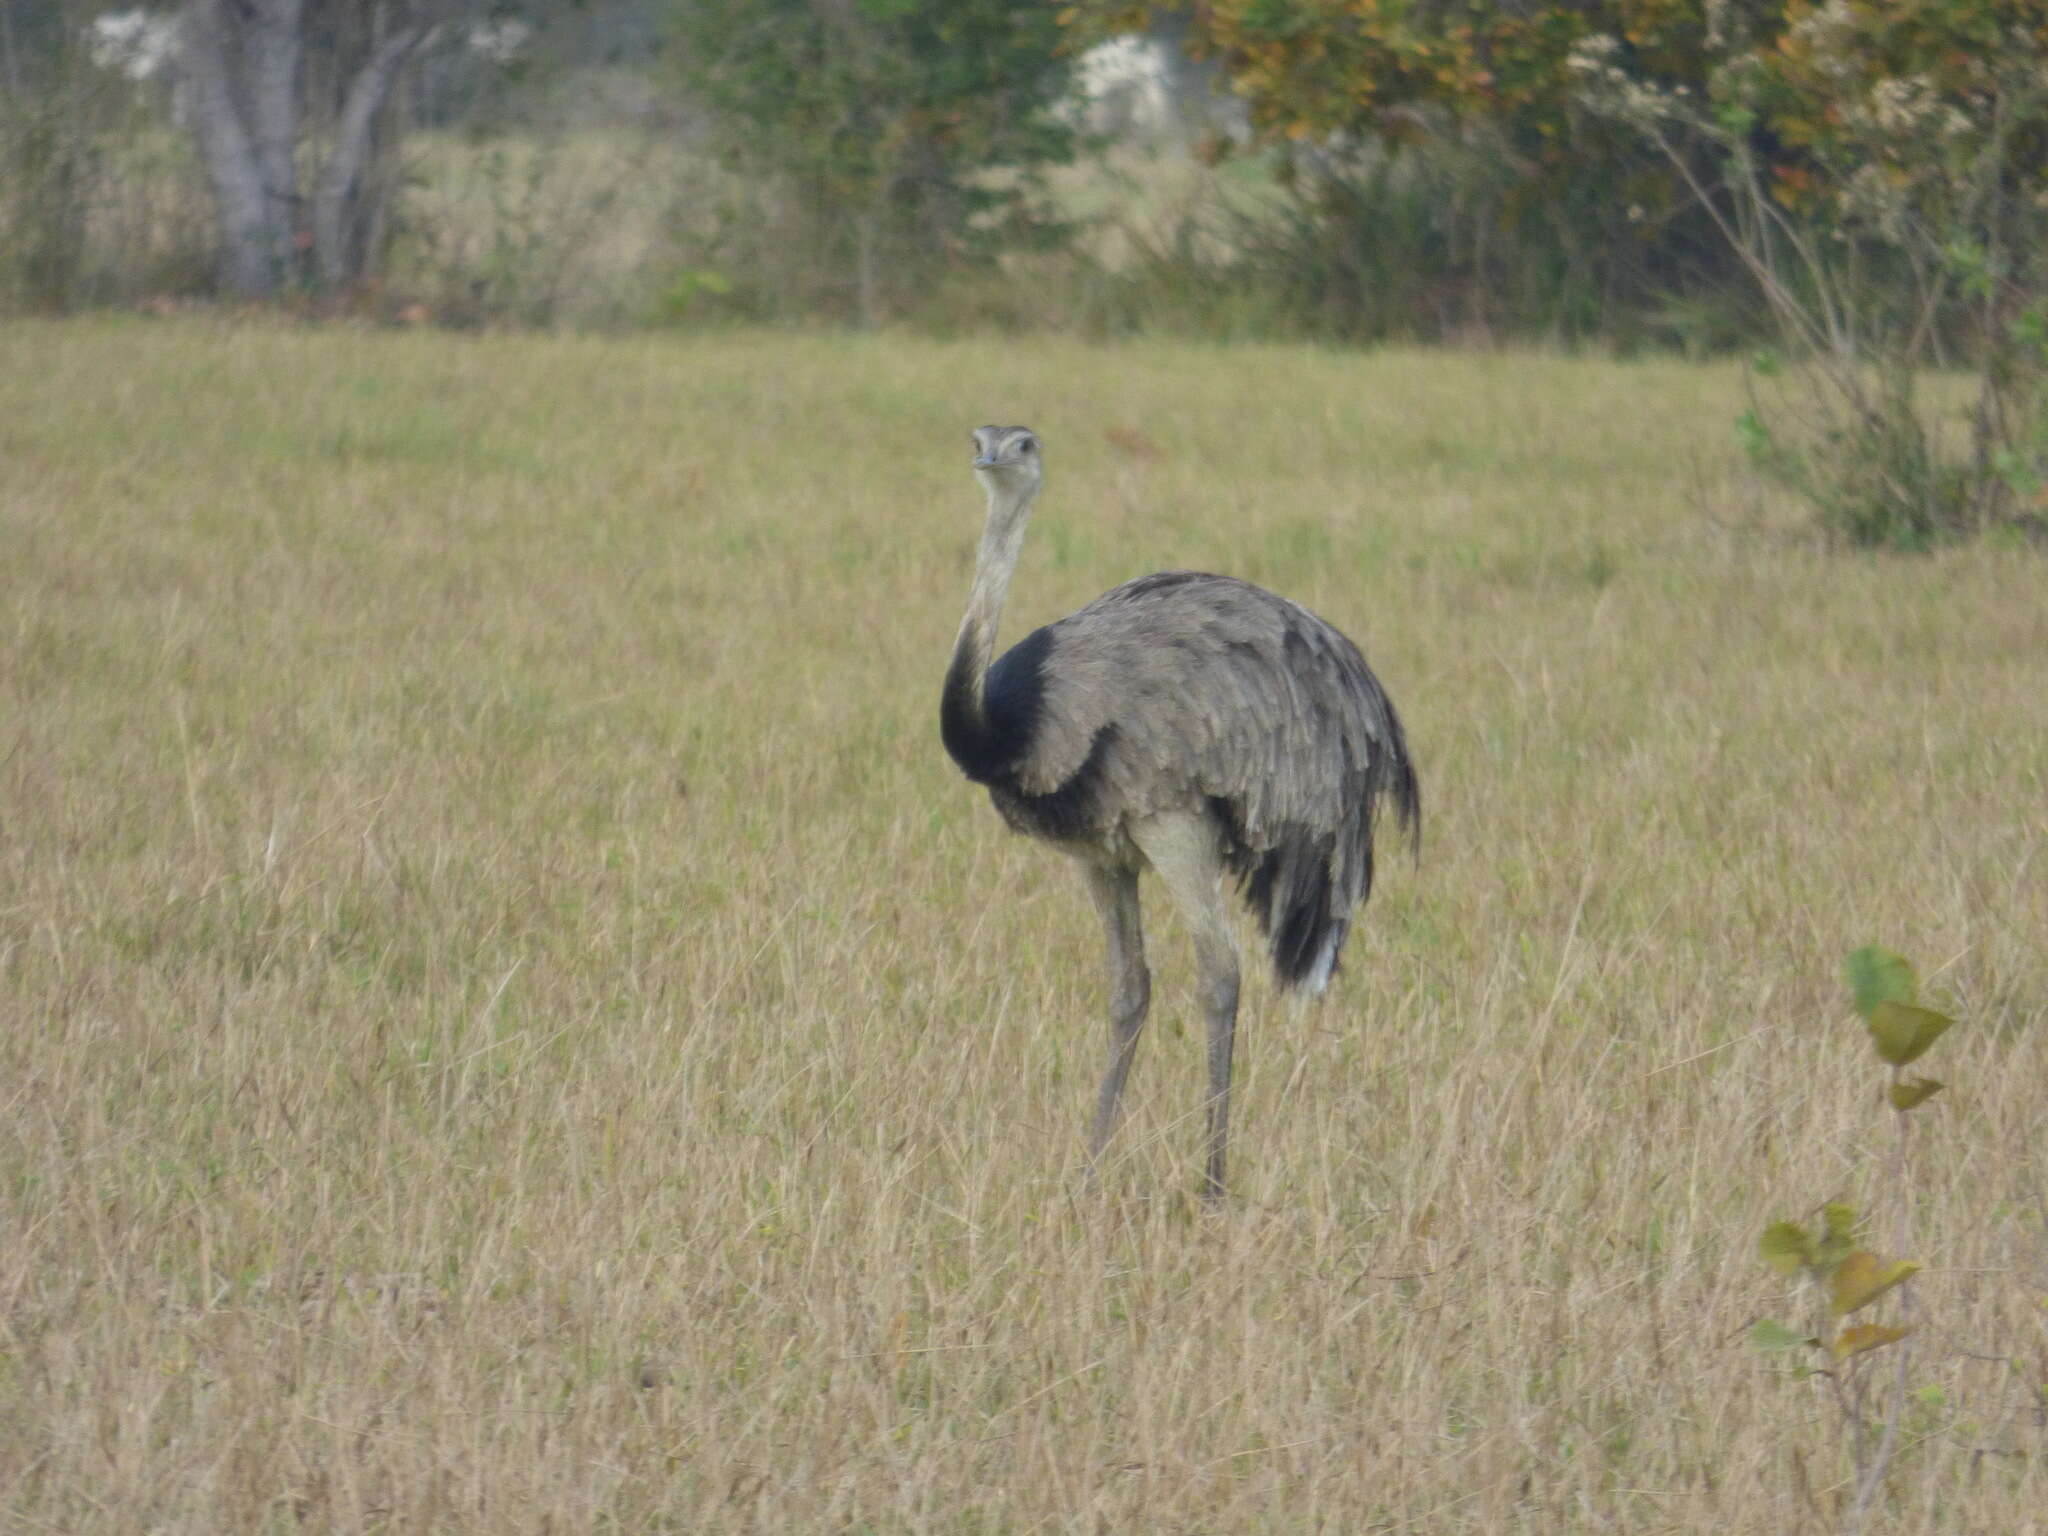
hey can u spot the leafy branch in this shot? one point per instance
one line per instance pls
(1847, 1277)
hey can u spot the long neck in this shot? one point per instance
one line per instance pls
(963, 715)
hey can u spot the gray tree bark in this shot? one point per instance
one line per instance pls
(273, 47)
(10, 62)
(244, 61)
(341, 243)
(251, 240)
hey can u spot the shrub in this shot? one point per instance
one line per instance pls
(1882, 175)
(878, 141)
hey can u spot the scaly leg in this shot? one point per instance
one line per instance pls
(1115, 892)
(1185, 851)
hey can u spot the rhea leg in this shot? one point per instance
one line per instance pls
(1130, 989)
(1185, 852)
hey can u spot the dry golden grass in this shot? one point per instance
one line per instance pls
(512, 1022)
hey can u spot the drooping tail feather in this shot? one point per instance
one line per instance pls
(1303, 888)
(1393, 773)
(1289, 891)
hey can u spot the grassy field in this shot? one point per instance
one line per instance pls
(512, 1022)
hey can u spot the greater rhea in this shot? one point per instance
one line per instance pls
(1195, 724)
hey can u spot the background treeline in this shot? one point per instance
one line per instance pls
(578, 162)
(1351, 169)
(1859, 184)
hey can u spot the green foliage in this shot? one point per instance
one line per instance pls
(1885, 992)
(1316, 67)
(45, 167)
(1788, 1247)
(1877, 177)
(1865, 1336)
(1872, 472)
(1912, 1092)
(1448, 183)
(1772, 1336)
(1880, 174)
(686, 289)
(888, 139)
(1902, 1033)
(1860, 1278)
(90, 190)
(1845, 1273)
(1877, 975)
(1784, 1246)
(1848, 1275)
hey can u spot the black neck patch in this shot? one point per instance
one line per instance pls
(989, 743)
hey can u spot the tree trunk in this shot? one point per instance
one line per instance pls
(244, 65)
(272, 48)
(10, 61)
(340, 226)
(867, 252)
(251, 240)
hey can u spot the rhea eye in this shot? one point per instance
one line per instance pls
(1027, 446)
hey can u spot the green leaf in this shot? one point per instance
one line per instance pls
(1836, 1243)
(1903, 1032)
(1785, 1247)
(1970, 264)
(1769, 1335)
(1735, 118)
(1877, 975)
(1912, 1092)
(2018, 470)
(1853, 1341)
(1754, 436)
(1863, 1277)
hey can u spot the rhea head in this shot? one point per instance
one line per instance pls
(1006, 460)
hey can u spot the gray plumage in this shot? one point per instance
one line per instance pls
(1195, 724)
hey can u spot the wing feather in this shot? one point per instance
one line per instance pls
(1214, 689)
